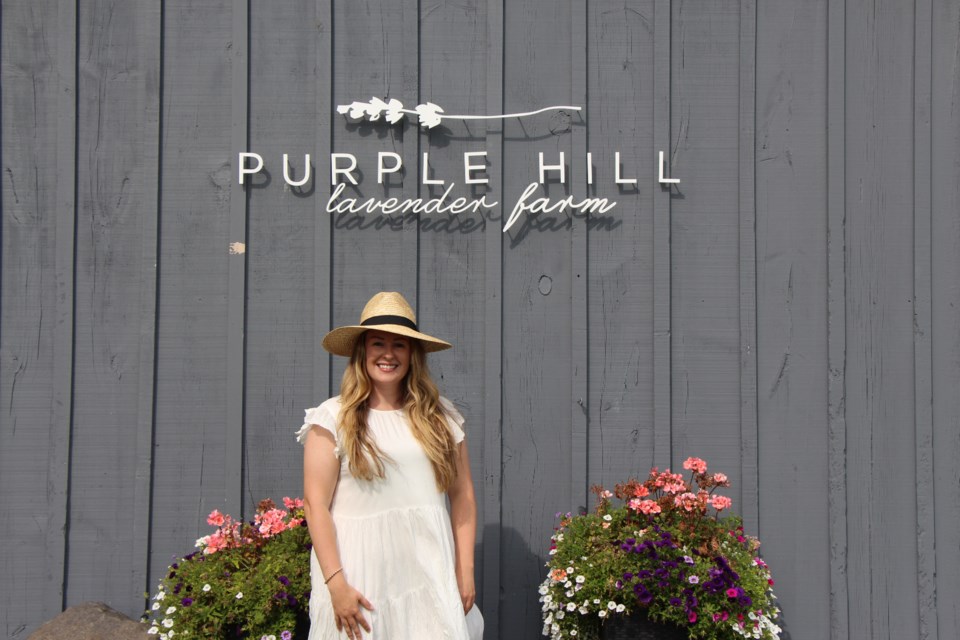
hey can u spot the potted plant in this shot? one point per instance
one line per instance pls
(663, 553)
(247, 580)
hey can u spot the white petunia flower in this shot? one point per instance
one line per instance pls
(581, 579)
(167, 622)
(602, 613)
(207, 587)
(239, 595)
(170, 610)
(156, 605)
(611, 605)
(154, 630)
(620, 608)
(608, 517)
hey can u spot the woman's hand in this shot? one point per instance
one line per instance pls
(468, 591)
(347, 603)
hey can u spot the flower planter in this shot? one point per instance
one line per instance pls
(639, 627)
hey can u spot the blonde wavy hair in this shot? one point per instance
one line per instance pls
(421, 402)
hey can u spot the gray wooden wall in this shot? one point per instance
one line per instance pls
(789, 311)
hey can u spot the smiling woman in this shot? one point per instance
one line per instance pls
(388, 559)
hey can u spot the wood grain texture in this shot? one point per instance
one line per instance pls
(922, 318)
(64, 346)
(792, 338)
(198, 167)
(116, 205)
(324, 112)
(31, 568)
(663, 140)
(705, 236)
(235, 408)
(537, 289)
(837, 319)
(945, 303)
(281, 255)
(621, 245)
(492, 476)
(881, 439)
(749, 428)
(150, 37)
(580, 276)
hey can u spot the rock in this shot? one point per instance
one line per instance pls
(91, 621)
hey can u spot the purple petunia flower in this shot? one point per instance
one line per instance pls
(286, 635)
(693, 579)
(284, 581)
(187, 602)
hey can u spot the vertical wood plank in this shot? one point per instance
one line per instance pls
(237, 274)
(32, 96)
(749, 427)
(922, 318)
(880, 317)
(493, 330)
(323, 226)
(150, 34)
(620, 246)
(198, 168)
(945, 321)
(662, 260)
(281, 255)
(61, 431)
(837, 317)
(114, 301)
(537, 289)
(579, 346)
(792, 228)
(705, 236)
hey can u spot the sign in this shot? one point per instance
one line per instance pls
(343, 167)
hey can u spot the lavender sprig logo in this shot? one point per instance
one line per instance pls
(428, 114)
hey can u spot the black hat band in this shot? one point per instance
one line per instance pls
(400, 320)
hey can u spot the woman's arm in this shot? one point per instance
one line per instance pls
(321, 471)
(463, 516)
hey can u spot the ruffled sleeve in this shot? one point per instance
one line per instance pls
(323, 417)
(454, 420)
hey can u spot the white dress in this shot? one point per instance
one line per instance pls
(394, 537)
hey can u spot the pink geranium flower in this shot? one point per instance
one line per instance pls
(271, 522)
(688, 501)
(648, 507)
(720, 502)
(696, 464)
(215, 519)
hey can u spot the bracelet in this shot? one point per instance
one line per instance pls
(330, 577)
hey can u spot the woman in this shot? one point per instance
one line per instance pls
(389, 562)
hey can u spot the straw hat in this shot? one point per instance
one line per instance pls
(387, 311)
